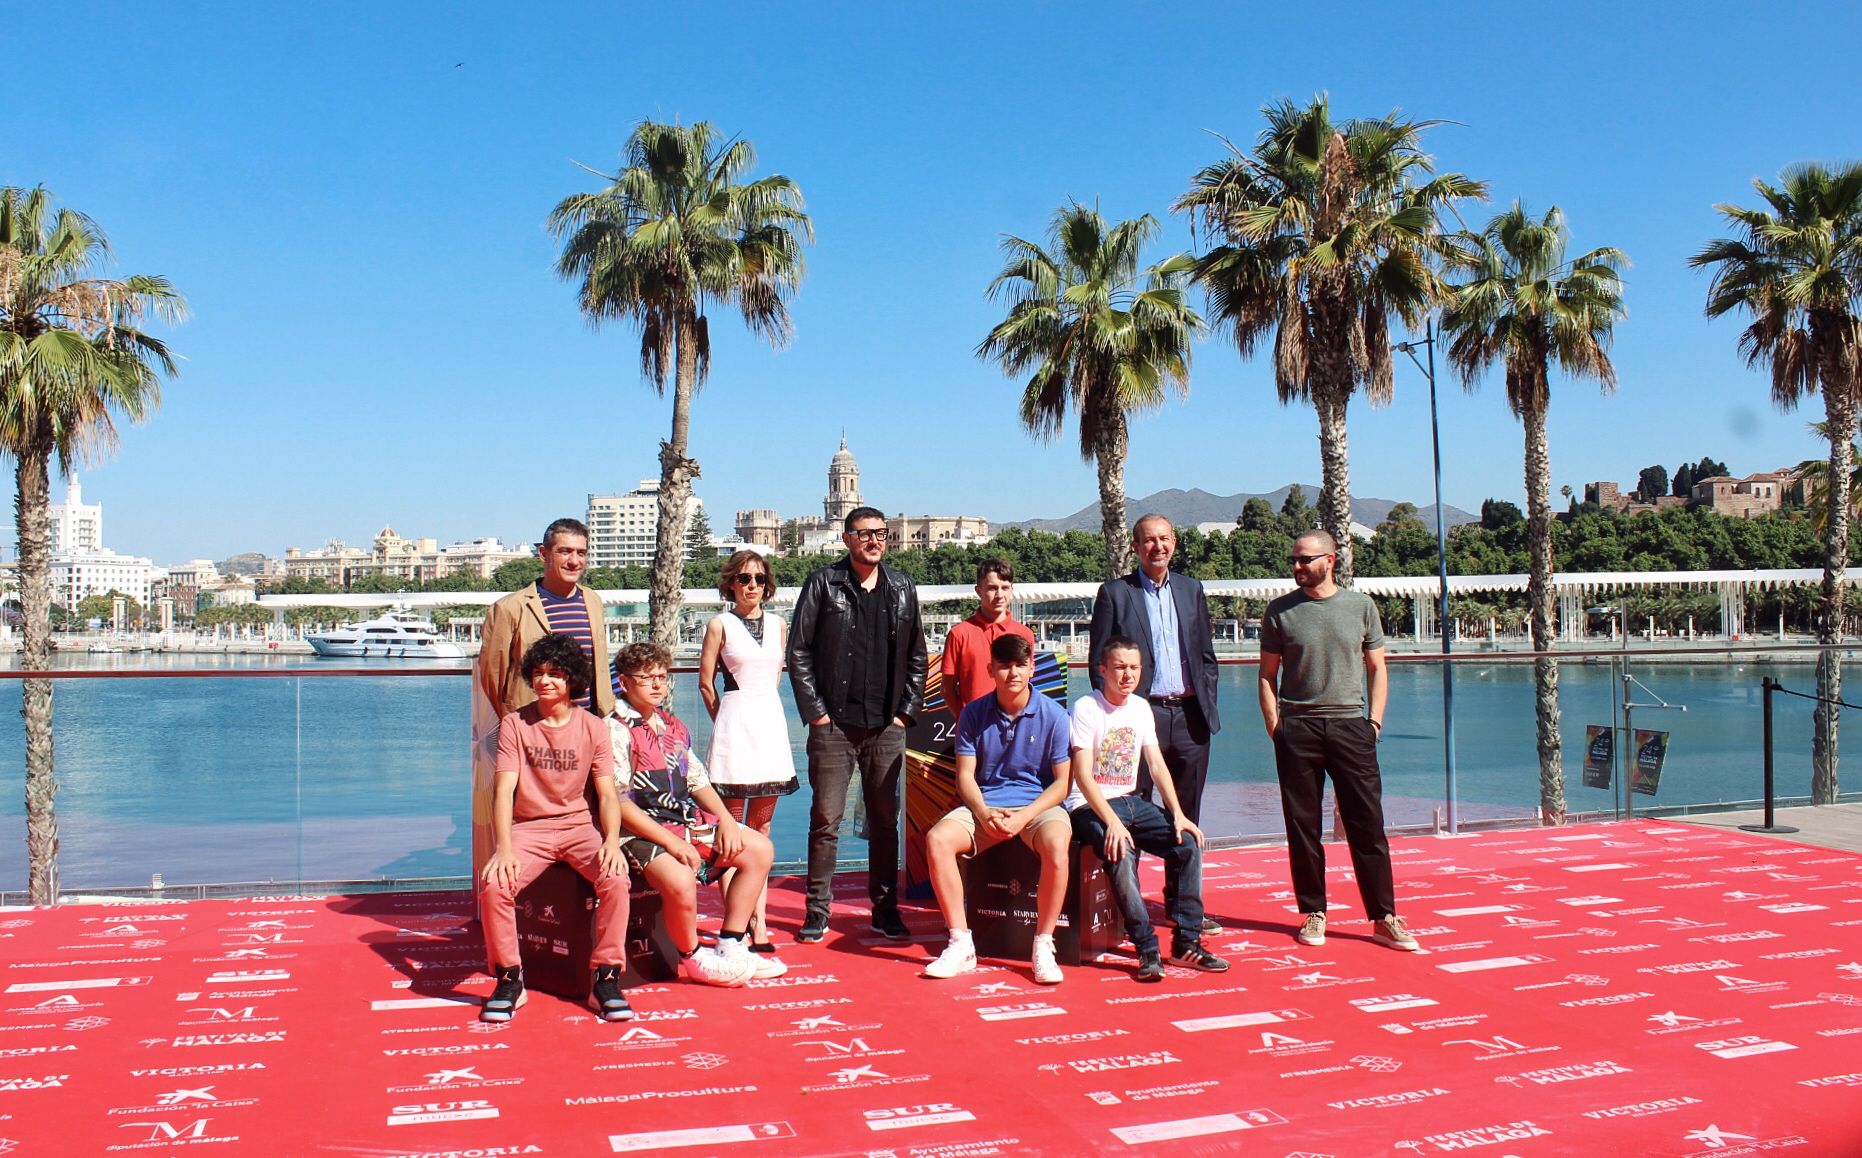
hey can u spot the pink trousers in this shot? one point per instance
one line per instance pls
(539, 844)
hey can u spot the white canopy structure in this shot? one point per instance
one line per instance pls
(1576, 592)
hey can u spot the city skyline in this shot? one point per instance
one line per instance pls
(367, 195)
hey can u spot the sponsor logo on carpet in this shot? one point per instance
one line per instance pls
(1392, 1003)
(1690, 967)
(1123, 1061)
(787, 1006)
(1672, 1022)
(1477, 1136)
(906, 1117)
(166, 1133)
(1196, 1127)
(654, 1095)
(1019, 1011)
(45, 1082)
(222, 1015)
(189, 1098)
(1643, 1109)
(698, 1136)
(807, 1025)
(1386, 1101)
(1240, 1020)
(1558, 1074)
(1496, 1047)
(863, 1076)
(832, 1050)
(1073, 1038)
(85, 983)
(421, 1113)
(1486, 963)
(1747, 1046)
(1730, 983)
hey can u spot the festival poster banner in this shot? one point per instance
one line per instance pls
(1599, 754)
(1651, 751)
(931, 761)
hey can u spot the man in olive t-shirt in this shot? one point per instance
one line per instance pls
(1324, 644)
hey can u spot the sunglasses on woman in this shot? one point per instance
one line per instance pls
(750, 579)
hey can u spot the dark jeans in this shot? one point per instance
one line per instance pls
(1183, 735)
(833, 754)
(1152, 832)
(1306, 749)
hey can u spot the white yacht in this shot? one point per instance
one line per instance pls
(397, 634)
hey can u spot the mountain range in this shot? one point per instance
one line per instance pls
(1188, 508)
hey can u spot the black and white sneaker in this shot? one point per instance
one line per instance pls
(606, 998)
(507, 996)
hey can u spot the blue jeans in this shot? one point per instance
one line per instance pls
(1152, 832)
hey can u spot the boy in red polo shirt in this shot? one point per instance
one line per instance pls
(966, 649)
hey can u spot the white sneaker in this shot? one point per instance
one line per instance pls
(958, 957)
(762, 966)
(710, 967)
(1312, 930)
(1046, 968)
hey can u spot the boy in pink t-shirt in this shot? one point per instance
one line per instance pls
(548, 752)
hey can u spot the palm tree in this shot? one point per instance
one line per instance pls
(1796, 268)
(1816, 470)
(1520, 302)
(1096, 334)
(72, 359)
(1327, 230)
(675, 231)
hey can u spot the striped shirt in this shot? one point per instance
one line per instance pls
(570, 617)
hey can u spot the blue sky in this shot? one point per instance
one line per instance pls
(352, 197)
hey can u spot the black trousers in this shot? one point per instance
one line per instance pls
(1306, 750)
(1183, 736)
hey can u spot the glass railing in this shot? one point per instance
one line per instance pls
(186, 775)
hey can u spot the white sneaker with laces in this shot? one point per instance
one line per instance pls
(958, 958)
(708, 966)
(1046, 968)
(762, 967)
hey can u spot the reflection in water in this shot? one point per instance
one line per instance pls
(356, 778)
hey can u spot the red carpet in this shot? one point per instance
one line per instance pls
(1653, 988)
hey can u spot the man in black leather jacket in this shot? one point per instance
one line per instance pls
(857, 666)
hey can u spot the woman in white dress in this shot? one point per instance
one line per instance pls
(750, 762)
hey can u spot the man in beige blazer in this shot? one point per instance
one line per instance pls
(555, 603)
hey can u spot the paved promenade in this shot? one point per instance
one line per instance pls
(1822, 825)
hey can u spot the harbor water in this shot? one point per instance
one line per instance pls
(206, 780)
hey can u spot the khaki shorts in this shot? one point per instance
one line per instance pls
(966, 818)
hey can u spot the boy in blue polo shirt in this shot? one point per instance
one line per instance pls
(1014, 766)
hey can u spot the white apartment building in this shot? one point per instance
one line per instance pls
(81, 565)
(77, 526)
(412, 560)
(480, 556)
(623, 529)
(77, 576)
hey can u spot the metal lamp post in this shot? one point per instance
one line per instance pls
(1441, 563)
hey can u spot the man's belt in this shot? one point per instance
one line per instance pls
(1173, 701)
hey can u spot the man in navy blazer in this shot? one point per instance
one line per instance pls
(1169, 618)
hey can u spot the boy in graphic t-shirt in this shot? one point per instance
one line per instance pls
(1112, 731)
(678, 832)
(548, 752)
